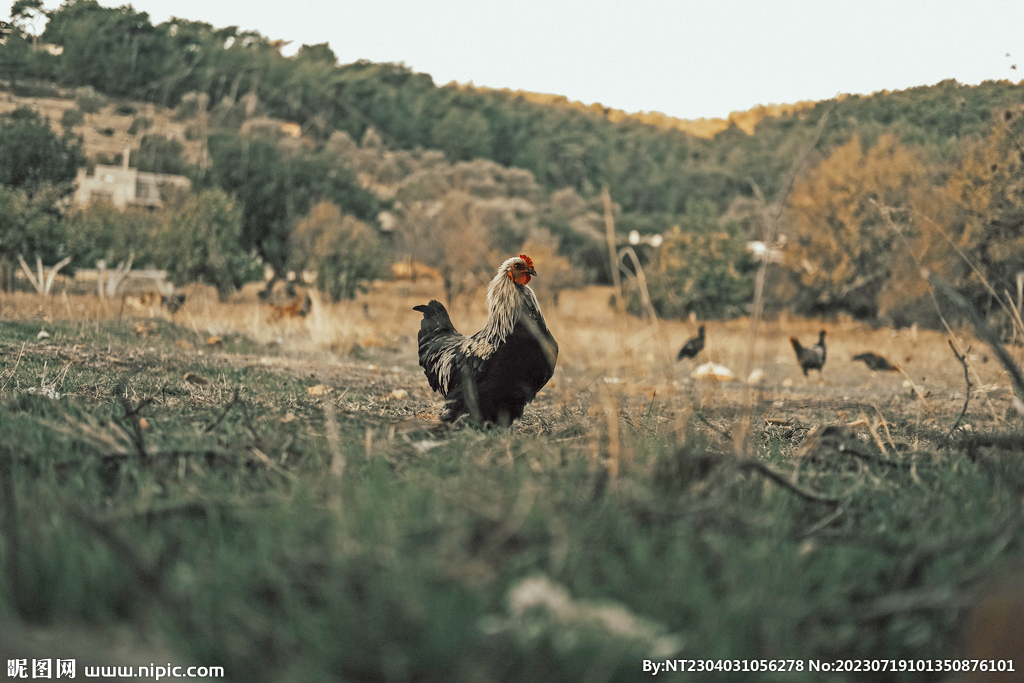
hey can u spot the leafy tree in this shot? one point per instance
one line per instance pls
(30, 224)
(971, 230)
(841, 248)
(159, 154)
(16, 57)
(70, 118)
(275, 187)
(344, 252)
(115, 50)
(462, 135)
(718, 283)
(102, 232)
(36, 170)
(199, 240)
(31, 155)
(321, 52)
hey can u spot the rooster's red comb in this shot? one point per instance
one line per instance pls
(529, 261)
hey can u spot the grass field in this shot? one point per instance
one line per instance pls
(283, 503)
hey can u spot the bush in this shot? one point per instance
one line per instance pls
(100, 231)
(88, 100)
(190, 106)
(139, 123)
(159, 154)
(71, 118)
(703, 269)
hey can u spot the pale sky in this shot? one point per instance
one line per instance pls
(683, 58)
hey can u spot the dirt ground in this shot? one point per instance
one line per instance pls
(369, 345)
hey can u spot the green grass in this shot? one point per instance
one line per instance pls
(219, 529)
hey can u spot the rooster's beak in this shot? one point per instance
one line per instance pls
(531, 272)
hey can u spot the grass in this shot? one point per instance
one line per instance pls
(613, 524)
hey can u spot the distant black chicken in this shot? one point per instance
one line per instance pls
(172, 302)
(693, 346)
(876, 362)
(812, 358)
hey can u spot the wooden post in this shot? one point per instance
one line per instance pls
(613, 256)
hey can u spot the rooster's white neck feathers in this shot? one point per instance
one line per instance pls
(507, 303)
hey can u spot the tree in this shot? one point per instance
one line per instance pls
(102, 232)
(199, 240)
(275, 187)
(159, 154)
(718, 283)
(36, 170)
(972, 229)
(344, 252)
(31, 155)
(115, 50)
(842, 250)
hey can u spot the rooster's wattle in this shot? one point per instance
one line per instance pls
(491, 375)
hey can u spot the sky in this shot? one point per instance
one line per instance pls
(679, 57)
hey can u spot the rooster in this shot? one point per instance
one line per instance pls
(812, 358)
(875, 362)
(693, 346)
(491, 375)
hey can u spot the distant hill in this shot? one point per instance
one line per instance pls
(657, 167)
(703, 128)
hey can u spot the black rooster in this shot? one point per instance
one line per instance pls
(812, 358)
(693, 346)
(493, 374)
(875, 362)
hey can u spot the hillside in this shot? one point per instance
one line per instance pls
(702, 128)
(428, 169)
(108, 131)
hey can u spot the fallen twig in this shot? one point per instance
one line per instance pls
(725, 433)
(763, 469)
(223, 413)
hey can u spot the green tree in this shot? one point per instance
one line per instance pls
(15, 57)
(276, 187)
(101, 231)
(31, 155)
(344, 252)
(702, 267)
(199, 240)
(462, 135)
(115, 50)
(36, 170)
(159, 154)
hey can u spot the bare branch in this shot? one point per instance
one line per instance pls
(967, 380)
(984, 331)
(768, 472)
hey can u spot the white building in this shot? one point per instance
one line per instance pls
(124, 186)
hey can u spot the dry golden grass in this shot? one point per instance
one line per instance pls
(606, 360)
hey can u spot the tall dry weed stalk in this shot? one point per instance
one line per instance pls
(771, 214)
(935, 282)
